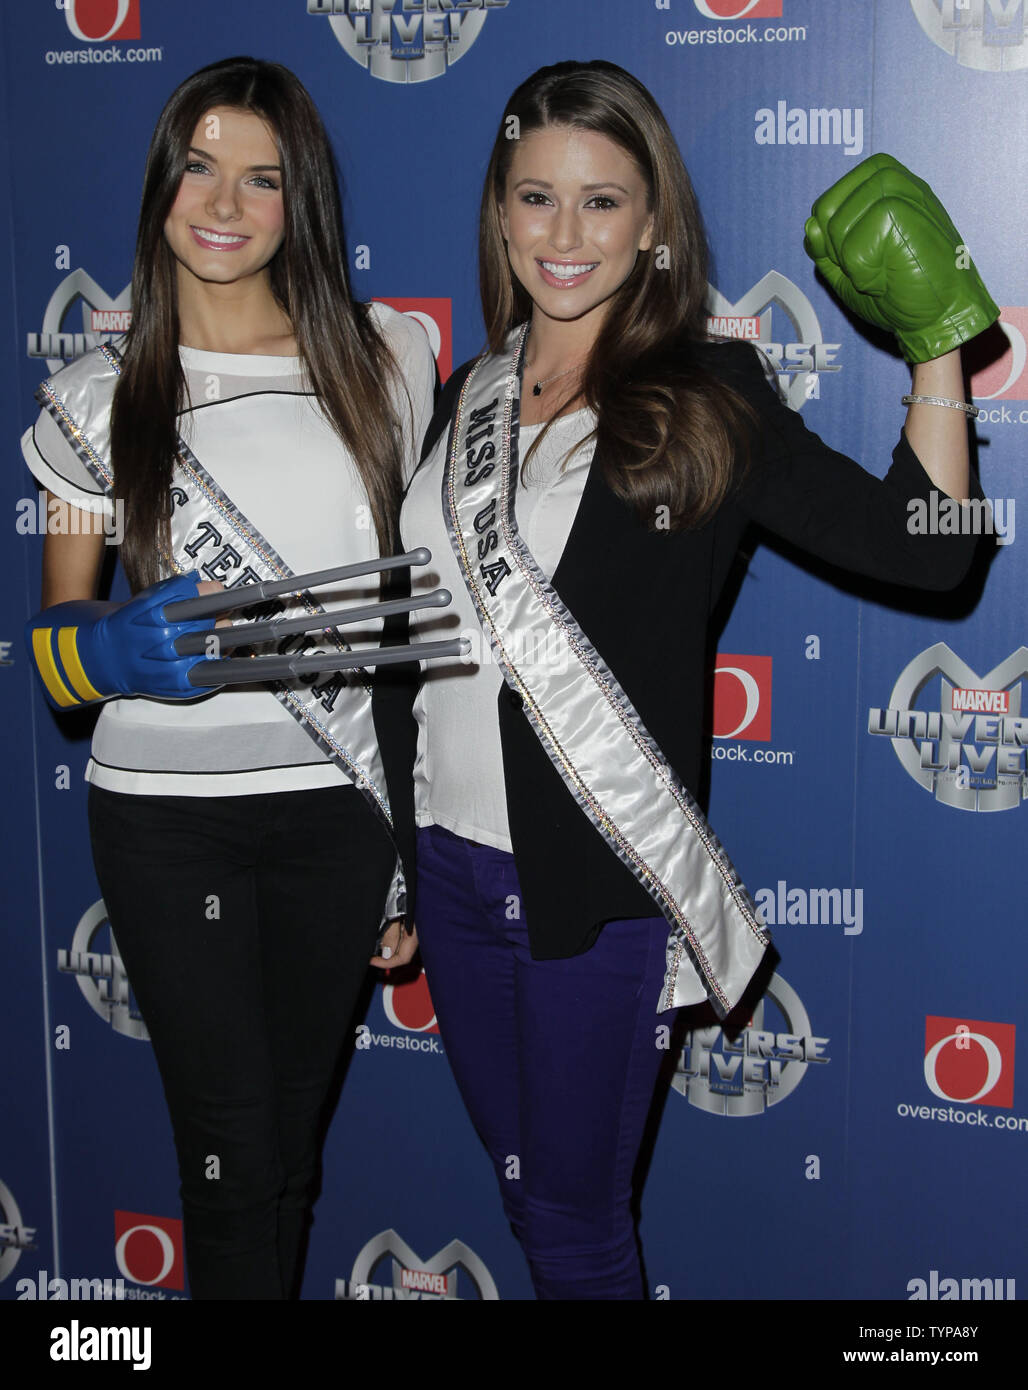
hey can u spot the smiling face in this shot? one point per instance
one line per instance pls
(228, 217)
(574, 216)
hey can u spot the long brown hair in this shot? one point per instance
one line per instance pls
(671, 431)
(347, 363)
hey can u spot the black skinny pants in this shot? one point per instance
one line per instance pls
(245, 925)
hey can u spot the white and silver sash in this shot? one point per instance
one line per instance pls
(584, 720)
(210, 534)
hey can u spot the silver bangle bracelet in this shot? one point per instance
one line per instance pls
(969, 410)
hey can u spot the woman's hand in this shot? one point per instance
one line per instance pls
(399, 944)
(87, 651)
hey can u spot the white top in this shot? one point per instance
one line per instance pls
(458, 775)
(264, 439)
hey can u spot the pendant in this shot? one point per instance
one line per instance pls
(537, 389)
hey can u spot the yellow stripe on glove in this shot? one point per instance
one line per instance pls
(41, 650)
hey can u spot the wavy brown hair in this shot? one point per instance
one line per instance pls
(348, 364)
(671, 432)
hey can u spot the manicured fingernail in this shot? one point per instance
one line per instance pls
(386, 952)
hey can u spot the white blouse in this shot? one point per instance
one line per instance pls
(458, 775)
(257, 429)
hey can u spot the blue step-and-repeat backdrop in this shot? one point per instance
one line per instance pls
(866, 1137)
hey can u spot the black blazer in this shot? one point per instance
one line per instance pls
(637, 593)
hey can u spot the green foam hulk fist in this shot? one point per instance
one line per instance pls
(885, 244)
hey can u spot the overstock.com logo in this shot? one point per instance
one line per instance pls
(96, 21)
(148, 1249)
(984, 34)
(742, 697)
(406, 40)
(769, 314)
(739, 9)
(1006, 378)
(409, 1006)
(966, 743)
(968, 1061)
(436, 318)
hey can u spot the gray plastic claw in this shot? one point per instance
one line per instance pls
(258, 669)
(252, 634)
(245, 595)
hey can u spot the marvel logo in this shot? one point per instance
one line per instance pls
(110, 320)
(423, 1281)
(983, 701)
(725, 326)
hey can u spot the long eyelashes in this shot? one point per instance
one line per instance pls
(599, 203)
(196, 166)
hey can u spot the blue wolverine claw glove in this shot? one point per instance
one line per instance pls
(87, 651)
(887, 247)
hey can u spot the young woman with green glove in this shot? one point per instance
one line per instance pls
(596, 469)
